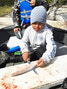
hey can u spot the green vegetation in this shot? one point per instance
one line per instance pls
(6, 6)
(6, 2)
(5, 10)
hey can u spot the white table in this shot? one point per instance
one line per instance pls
(49, 76)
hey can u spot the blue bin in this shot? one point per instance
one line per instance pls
(14, 49)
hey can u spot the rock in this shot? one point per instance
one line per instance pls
(55, 15)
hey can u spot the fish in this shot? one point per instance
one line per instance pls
(30, 66)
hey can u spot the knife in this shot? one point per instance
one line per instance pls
(33, 67)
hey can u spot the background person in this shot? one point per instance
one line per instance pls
(17, 17)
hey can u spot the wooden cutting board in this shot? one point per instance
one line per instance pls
(51, 75)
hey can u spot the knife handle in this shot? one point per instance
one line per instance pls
(28, 59)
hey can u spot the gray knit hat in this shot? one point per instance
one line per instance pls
(38, 14)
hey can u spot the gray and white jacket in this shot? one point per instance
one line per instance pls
(32, 40)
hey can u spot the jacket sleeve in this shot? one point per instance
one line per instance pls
(50, 52)
(25, 42)
(16, 15)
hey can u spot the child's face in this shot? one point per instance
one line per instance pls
(37, 26)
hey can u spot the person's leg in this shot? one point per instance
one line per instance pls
(37, 53)
(33, 57)
(42, 2)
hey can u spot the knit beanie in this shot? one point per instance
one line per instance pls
(38, 14)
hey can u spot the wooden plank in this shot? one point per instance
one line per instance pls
(49, 76)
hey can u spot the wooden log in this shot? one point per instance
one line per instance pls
(48, 76)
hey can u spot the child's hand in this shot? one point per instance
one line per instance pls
(32, 2)
(40, 63)
(16, 29)
(26, 56)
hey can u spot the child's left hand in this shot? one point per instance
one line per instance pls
(32, 2)
(40, 63)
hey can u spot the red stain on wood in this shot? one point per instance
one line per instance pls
(6, 85)
(15, 86)
(49, 71)
(2, 79)
(41, 81)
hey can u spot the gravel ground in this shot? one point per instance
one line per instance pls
(6, 21)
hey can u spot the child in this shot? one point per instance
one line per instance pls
(38, 42)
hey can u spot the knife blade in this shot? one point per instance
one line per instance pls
(29, 62)
(33, 67)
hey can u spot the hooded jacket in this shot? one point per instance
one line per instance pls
(32, 40)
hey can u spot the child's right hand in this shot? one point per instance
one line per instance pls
(16, 29)
(26, 56)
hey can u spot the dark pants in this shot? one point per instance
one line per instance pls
(37, 53)
(43, 3)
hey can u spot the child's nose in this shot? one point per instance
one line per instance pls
(37, 25)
